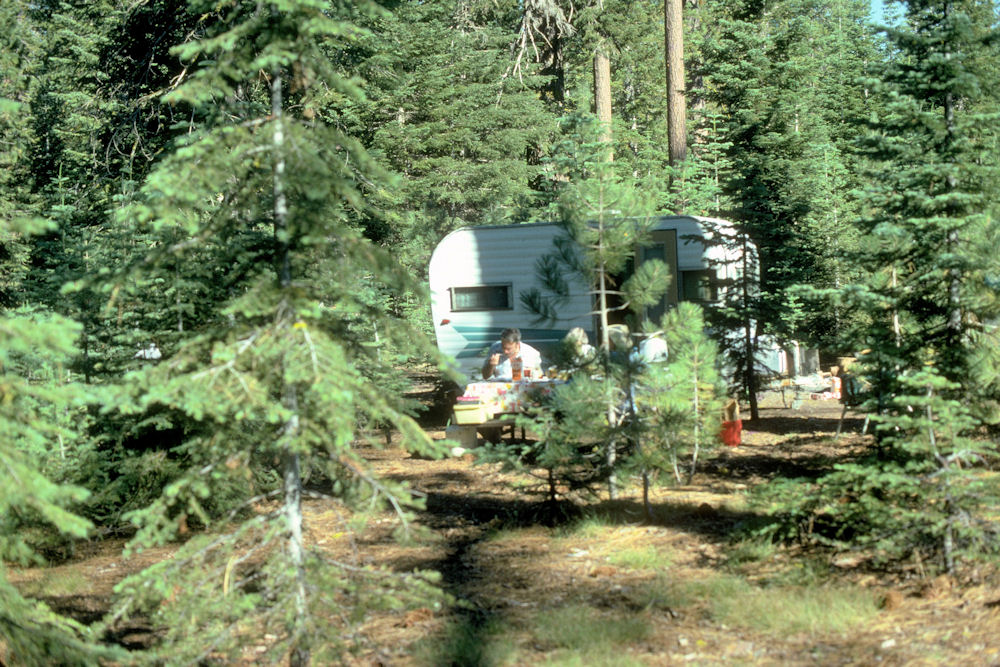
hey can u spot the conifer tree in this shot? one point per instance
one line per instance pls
(67, 104)
(19, 50)
(570, 433)
(62, 171)
(934, 144)
(646, 417)
(443, 111)
(265, 189)
(928, 297)
(678, 402)
(779, 79)
(39, 409)
(603, 219)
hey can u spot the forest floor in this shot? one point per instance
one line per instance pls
(612, 588)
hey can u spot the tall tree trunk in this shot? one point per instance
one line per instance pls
(291, 474)
(749, 331)
(676, 104)
(955, 365)
(602, 98)
(696, 408)
(602, 308)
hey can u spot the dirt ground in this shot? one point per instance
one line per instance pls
(497, 555)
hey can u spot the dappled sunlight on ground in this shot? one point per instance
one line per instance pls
(512, 573)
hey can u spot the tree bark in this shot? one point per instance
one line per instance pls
(676, 103)
(291, 474)
(602, 296)
(749, 332)
(602, 99)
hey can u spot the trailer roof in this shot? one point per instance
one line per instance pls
(660, 218)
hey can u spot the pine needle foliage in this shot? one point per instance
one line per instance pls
(922, 493)
(444, 109)
(678, 403)
(604, 216)
(569, 435)
(789, 181)
(39, 406)
(263, 192)
(644, 417)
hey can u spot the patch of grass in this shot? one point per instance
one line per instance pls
(467, 642)
(733, 601)
(499, 535)
(804, 572)
(641, 558)
(798, 609)
(606, 657)
(811, 609)
(662, 592)
(57, 583)
(720, 586)
(585, 629)
(737, 503)
(755, 555)
(752, 550)
(589, 527)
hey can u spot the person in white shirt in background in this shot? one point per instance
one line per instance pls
(651, 350)
(498, 360)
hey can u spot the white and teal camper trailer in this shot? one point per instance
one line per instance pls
(477, 275)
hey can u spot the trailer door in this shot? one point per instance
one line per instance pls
(663, 246)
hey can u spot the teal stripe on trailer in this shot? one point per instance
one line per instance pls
(479, 338)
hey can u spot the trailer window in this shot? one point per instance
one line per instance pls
(699, 285)
(481, 297)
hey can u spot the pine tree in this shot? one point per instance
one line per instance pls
(39, 410)
(61, 166)
(920, 493)
(931, 145)
(445, 113)
(19, 50)
(770, 71)
(568, 444)
(631, 36)
(603, 218)
(266, 189)
(69, 104)
(643, 417)
(679, 402)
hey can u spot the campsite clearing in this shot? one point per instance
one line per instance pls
(610, 588)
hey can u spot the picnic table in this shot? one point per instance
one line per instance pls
(817, 387)
(491, 406)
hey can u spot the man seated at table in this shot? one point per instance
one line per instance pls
(510, 348)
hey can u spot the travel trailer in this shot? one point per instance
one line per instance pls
(477, 276)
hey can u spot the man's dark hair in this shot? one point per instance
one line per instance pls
(510, 336)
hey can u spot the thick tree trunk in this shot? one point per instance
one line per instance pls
(676, 103)
(602, 99)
